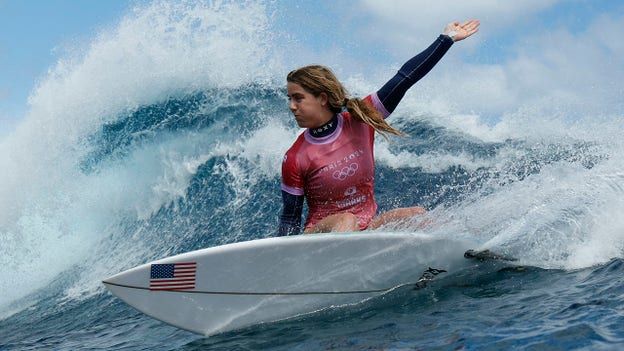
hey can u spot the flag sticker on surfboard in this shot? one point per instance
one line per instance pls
(173, 276)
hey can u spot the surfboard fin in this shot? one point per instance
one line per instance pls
(427, 275)
(487, 255)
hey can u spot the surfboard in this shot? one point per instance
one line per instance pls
(236, 285)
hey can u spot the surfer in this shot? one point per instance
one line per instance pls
(331, 163)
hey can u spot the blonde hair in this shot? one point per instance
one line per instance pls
(317, 79)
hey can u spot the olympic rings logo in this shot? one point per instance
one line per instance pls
(346, 172)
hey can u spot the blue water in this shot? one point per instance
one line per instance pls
(156, 142)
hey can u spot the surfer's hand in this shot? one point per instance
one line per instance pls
(458, 31)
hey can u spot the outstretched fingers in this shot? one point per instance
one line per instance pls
(466, 29)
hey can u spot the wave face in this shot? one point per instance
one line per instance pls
(166, 135)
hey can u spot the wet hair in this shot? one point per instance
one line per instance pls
(317, 79)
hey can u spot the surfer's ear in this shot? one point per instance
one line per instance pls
(323, 99)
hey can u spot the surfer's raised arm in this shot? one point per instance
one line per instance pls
(418, 66)
(331, 163)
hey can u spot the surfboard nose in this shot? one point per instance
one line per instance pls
(137, 277)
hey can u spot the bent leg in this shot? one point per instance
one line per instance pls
(396, 215)
(339, 222)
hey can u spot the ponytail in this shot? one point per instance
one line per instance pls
(366, 113)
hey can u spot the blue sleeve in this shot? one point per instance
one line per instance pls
(290, 222)
(412, 71)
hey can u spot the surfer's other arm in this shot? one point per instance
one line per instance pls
(290, 222)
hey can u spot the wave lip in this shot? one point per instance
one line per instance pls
(58, 202)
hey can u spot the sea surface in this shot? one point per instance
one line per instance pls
(167, 134)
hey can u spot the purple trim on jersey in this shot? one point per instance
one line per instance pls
(327, 139)
(292, 190)
(379, 106)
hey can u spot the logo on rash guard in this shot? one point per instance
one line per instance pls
(336, 164)
(351, 201)
(346, 172)
(350, 191)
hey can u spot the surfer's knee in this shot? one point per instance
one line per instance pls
(347, 223)
(396, 215)
(338, 222)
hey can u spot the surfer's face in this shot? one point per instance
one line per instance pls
(310, 111)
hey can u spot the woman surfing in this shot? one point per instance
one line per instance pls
(331, 164)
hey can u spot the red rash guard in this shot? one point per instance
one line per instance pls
(336, 172)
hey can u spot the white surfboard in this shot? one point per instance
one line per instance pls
(237, 285)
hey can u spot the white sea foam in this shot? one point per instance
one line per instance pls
(53, 215)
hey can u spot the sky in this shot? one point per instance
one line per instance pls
(32, 34)
(526, 50)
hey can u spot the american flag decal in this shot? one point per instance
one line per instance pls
(173, 276)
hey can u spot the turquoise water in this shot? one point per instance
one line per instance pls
(172, 149)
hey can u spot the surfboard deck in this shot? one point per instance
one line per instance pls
(232, 286)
